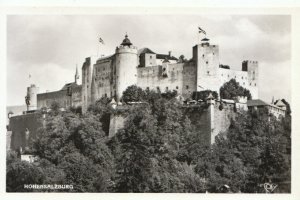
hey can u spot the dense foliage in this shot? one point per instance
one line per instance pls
(204, 94)
(159, 149)
(232, 89)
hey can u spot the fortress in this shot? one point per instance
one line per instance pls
(110, 76)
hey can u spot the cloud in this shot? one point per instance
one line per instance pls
(49, 47)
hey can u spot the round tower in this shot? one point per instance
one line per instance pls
(31, 97)
(126, 67)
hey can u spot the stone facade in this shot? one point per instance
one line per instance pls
(69, 95)
(110, 76)
(18, 125)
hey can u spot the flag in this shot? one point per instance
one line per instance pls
(201, 31)
(101, 41)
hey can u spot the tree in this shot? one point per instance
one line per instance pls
(19, 173)
(182, 59)
(248, 154)
(232, 89)
(133, 94)
(77, 146)
(133, 156)
(288, 107)
(102, 109)
(204, 94)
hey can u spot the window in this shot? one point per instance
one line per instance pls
(242, 77)
(207, 72)
(250, 84)
(254, 84)
(203, 56)
(187, 87)
(177, 87)
(150, 57)
(147, 88)
(150, 63)
(167, 88)
(206, 62)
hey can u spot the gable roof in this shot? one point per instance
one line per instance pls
(279, 103)
(146, 50)
(66, 86)
(256, 102)
(165, 56)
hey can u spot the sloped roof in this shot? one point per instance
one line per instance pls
(256, 102)
(166, 60)
(73, 85)
(105, 57)
(126, 41)
(165, 56)
(279, 103)
(145, 50)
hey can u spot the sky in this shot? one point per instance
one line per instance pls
(47, 48)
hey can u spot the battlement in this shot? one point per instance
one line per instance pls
(126, 49)
(247, 63)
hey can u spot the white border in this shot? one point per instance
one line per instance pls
(156, 9)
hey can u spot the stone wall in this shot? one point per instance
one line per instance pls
(167, 77)
(103, 78)
(18, 126)
(46, 99)
(116, 123)
(209, 120)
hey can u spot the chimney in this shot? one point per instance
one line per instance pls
(170, 53)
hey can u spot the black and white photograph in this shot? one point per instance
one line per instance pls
(149, 103)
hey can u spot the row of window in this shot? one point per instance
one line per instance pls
(167, 88)
(229, 76)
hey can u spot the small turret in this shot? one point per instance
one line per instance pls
(126, 67)
(205, 41)
(31, 97)
(210, 99)
(76, 74)
(126, 41)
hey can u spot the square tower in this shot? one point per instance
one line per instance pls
(206, 57)
(252, 69)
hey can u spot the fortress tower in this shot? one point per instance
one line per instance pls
(31, 97)
(87, 81)
(252, 69)
(126, 66)
(206, 58)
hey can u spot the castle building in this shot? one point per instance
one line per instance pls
(110, 76)
(68, 96)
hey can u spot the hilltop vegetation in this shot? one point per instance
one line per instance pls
(158, 150)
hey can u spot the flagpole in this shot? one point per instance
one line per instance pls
(98, 50)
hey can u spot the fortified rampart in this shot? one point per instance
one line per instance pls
(210, 118)
(22, 125)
